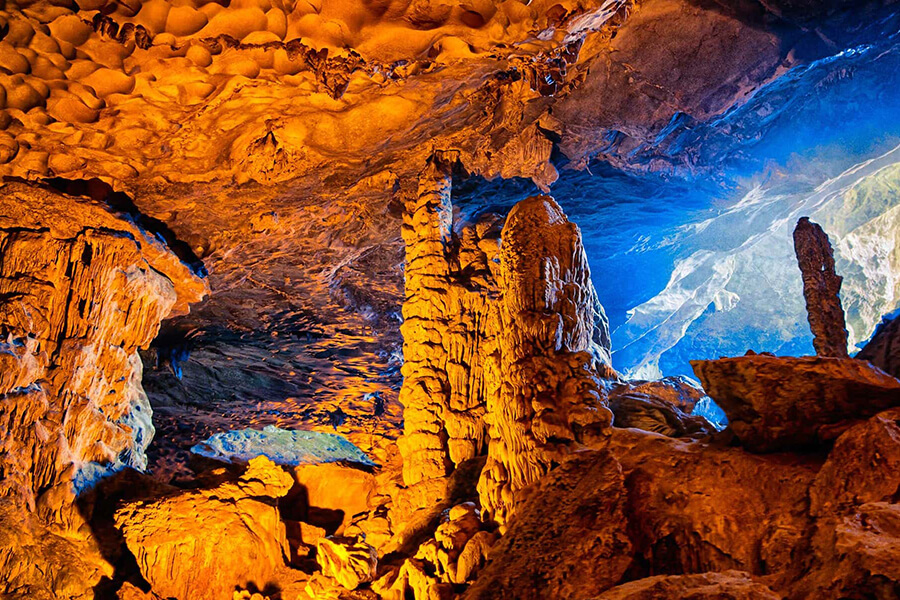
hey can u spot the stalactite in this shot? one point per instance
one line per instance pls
(821, 288)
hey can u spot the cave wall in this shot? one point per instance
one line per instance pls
(83, 289)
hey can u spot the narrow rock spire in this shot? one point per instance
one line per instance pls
(821, 288)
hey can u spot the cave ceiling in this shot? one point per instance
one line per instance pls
(267, 139)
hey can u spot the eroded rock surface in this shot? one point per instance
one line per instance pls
(350, 562)
(883, 350)
(554, 346)
(821, 288)
(448, 330)
(83, 289)
(777, 403)
(734, 585)
(204, 544)
(568, 537)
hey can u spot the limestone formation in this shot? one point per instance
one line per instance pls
(777, 403)
(633, 409)
(568, 538)
(349, 562)
(821, 288)
(679, 391)
(319, 493)
(83, 288)
(298, 149)
(656, 517)
(459, 548)
(734, 585)
(552, 345)
(204, 544)
(448, 329)
(696, 508)
(883, 350)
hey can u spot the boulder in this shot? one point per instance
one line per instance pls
(882, 350)
(863, 466)
(694, 507)
(776, 403)
(679, 390)
(641, 411)
(853, 555)
(332, 494)
(202, 545)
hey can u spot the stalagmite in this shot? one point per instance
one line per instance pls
(448, 334)
(548, 398)
(821, 288)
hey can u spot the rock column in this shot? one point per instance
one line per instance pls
(821, 288)
(549, 394)
(448, 336)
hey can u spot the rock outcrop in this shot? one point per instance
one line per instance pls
(82, 288)
(655, 517)
(821, 288)
(205, 544)
(777, 403)
(650, 413)
(883, 350)
(694, 507)
(567, 538)
(553, 347)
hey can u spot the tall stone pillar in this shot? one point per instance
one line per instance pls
(549, 398)
(448, 332)
(821, 288)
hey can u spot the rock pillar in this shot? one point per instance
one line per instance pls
(550, 397)
(821, 288)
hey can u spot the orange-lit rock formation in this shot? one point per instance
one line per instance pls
(83, 288)
(449, 323)
(516, 346)
(764, 397)
(207, 543)
(301, 149)
(553, 342)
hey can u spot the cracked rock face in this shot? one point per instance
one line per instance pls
(83, 290)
